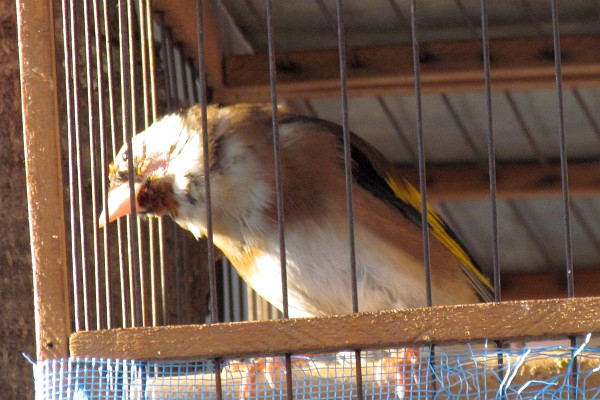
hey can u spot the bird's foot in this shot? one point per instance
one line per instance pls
(263, 376)
(395, 371)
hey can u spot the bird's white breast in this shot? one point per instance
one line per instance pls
(319, 273)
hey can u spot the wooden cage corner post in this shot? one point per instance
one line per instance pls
(41, 135)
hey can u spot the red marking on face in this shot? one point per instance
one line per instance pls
(156, 197)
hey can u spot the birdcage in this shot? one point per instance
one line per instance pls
(141, 309)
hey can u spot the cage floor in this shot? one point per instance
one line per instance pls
(468, 372)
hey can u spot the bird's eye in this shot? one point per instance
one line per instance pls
(124, 157)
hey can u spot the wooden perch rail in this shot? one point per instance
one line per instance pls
(385, 329)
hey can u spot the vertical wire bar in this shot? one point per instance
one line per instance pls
(126, 126)
(150, 223)
(69, 103)
(103, 164)
(163, 272)
(147, 88)
(78, 162)
(152, 272)
(144, 37)
(159, 221)
(124, 76)
(144, 61)
(341, 33)
(485, 44)
(113, 135)
(161, 238)
(347, 151)
(564, 175)
(564, 172)
(278, 187)
(151, 59)
(422, 171)
(453, 112)
(210, 253)
(277, 159)
(92, 147)
(421, 151)
(171, 102)
(139, 280)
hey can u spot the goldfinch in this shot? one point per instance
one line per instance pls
(169, 181)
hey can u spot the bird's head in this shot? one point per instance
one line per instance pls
(161, 157)
(167, 162)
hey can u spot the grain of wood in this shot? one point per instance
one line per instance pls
(517, 64)
(385, 329)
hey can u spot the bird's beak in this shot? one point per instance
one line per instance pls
(119, 203)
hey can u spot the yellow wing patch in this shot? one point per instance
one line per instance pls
(409, 194)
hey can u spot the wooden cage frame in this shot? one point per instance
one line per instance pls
(448, 324)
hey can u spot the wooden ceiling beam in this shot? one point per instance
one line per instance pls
(516, 64)
(181, 16)
(549, 285)
(525, 180)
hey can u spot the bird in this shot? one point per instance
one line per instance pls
(168, 168)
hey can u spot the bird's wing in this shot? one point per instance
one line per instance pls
(375, 174)
(372, 172)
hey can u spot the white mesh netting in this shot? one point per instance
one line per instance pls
(450, 373)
